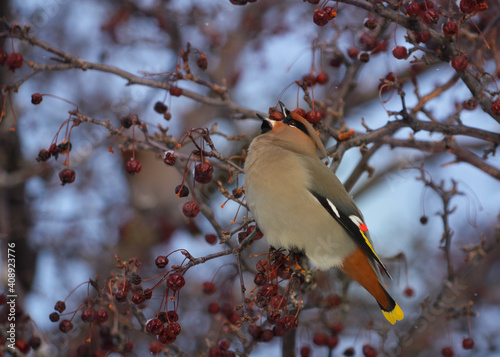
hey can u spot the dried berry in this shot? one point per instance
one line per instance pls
(400, 52)
(36, 98)
(468, 6)
(431, 16)
(172, 316)
(60, 306)
(369, 351)
(203, 172)
(65, 326)
(320, 339)
(202, 62)
(22, 346)
(160, 108)
(120, 296)
(371, 24)
(133, 166)
(181, 190)
(155, 326)
(127, 121)
(330, 12)
(54, 317)
(423, 219)
(35, 342)
(213, 308)
(320, 17)
(43, 155)
(450, 28)
(138, 298)
(175, 281)
(161, 261)
(300, 112)
(423, 36)
(364, 57)
(459, 63)
(336, 61)
(14, 60)
(276, 115)
(191, 209)
(169, 159)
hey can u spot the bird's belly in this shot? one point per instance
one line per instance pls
(302, 224)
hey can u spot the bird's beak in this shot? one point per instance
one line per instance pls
(285, 111)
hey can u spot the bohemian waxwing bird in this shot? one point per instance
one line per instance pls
(299, 204)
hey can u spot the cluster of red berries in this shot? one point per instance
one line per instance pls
(165, 326)
(66, 175)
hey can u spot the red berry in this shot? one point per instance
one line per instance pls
(35, 342)
(213, 308)
(101, 316)
(14, 60)
(330, 12)
(459, 63)
(400, 52)
(67, 176)
(191, 209)
(175, 281)
(214, 352)
(369, 41)
(3, 56)
(409, 292)
(133, 166)
(209, 288)
(181, 190)
(313, 116)
(352, 52)
(203, 172)
(224, 345)
(173, 329)
(128, 347)
(211, 239)
(337, 328)
(332, 342)
(127, 121)
(320, 339)
(88, 315)
(155, 326)
(450, 28)
(166, 338)
(320, 17)
(175, 91)
(65, 326)
(138, 298)
(413, 9)
(23, 346)
(431, 16)
(267, 335)
(169, 159)
(447, 352)
(424, 36)
(322, 78)
(255, 331)
(468, 6)
(305, 351)
(495, 106)
(423, 219)
(36, 98)
(60, 306)
(369, 351)
(172, 316)
(161, 261)
(336, 62)
(468, 343)
(160, 107)
(155, 347)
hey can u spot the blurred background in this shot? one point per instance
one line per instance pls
(67, 234)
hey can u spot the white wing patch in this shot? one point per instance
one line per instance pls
(334, 209)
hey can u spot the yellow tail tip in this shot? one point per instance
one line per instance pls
(395, 315)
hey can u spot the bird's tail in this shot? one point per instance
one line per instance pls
(358, 266)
